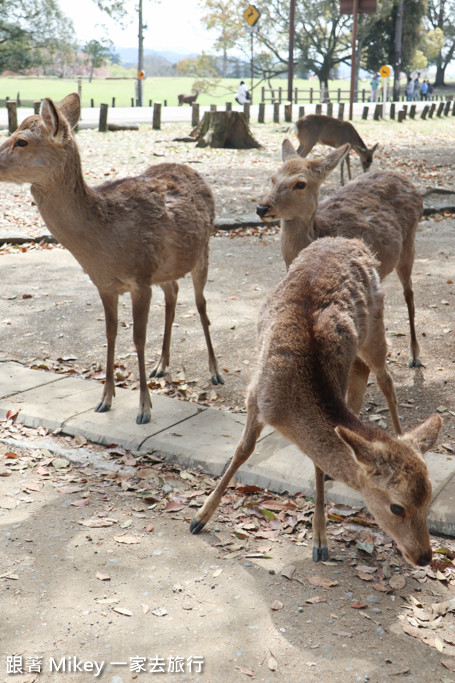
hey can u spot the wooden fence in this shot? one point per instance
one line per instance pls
(313, 95)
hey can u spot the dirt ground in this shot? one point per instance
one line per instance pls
(224, 594)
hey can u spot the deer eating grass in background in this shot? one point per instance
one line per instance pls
(188, 99)
(127, 235)
(317, 128)
(380, 207)
(326, 312)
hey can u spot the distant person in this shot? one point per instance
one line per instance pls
(374, 88)
(417, 88)
(410, 90)
(430, 90)
(424, 90)
(243, 95)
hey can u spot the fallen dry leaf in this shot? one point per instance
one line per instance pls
(129, 540)
(97, 523)
(103, 577)
(316, 600)
(288, 572)
(398, 581)
(321, 581)
(276, 605)
(123, 610)
(244, 670)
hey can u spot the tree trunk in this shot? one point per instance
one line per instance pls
(440, 73)
(226, 129)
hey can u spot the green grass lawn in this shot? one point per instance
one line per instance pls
(155, 89)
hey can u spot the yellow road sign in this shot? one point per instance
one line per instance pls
(251, 15)
(385, 71)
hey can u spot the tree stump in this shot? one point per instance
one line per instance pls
(227, 129)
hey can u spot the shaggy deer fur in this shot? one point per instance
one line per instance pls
(380, 207)
(188, 99)
(127, 235)
(326, 130)
(327, 311)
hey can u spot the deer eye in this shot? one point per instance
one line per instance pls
(398, 510)
(300, 185)
(20, 142)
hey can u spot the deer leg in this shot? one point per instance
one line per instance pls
(171, 290)
(404, 273)
(320, 549)
(358, 380)
(251, 432)
(110, 303)
(199, 276)
(374, 353)
(304, 148)
(348, 164)
(140, 298)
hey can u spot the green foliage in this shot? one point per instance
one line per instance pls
(203, 68)
(98, 53)
(441, 15)
(31, 32)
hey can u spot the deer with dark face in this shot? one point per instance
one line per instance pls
(326, 313)
(127, 235)
(380, 207)
(188, 99)
(317, 128)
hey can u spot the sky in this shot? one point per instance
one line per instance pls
(171, 25)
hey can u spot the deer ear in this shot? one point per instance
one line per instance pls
(323, 167)
(49, 114)
(374, 148)
(359, 447)
(424, 436)
(70, 107)
(287, 150)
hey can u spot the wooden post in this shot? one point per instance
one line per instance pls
(440, 109)
(262, 94)
(424, 112)
(301, 111)
(319, 109)
(329, 109)
(113, 102)
(405, 110)
(195, 114)
(228, 106)
(401, 116)
(288, 112)
(246, 111)
(412, 111)
(365, 113)
(276, 112)
(392, 110)
(150, 103)
(432, 108)
(92, 102)
(213, 107)
(261, 112)
(36, 106)
(156, 125)
(453, 109)
(377, 112)
(341, 111)
(132, 101)
(102, 126)
(12, 115)
(447, 108)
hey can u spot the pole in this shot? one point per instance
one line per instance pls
(252, 65)
(398, 41)
(291, 48)
(140, 57)
(354, 46)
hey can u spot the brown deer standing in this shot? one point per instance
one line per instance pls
(326, 130)
(188, 99)
(127, 235)
(327, 311)
(381, 207)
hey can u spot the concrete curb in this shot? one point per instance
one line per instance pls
(190, 433)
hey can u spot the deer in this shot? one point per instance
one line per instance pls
(381, 207)
(326, 130)
(188, 99)
(325, 313)
(127, 234)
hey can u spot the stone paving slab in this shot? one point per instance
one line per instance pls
(191, 434)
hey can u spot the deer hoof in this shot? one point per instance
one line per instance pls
(415, 363)
(156, 373)
(320, 553)
(142, 418)
(217, 379)
(102, 407)
(196, 526)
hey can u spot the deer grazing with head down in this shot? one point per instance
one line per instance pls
(127, 235)
(326, 130)
(380, 207)
(324, 314)
(188, 99)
